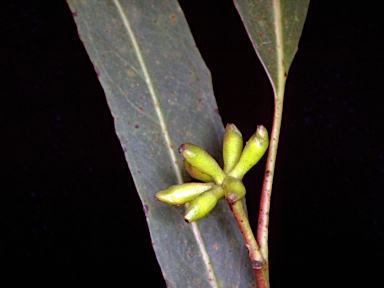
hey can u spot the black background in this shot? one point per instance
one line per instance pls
(69, 210)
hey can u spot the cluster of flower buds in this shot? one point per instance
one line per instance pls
(216, 182)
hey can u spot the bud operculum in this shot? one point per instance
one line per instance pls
(253, 151)
(203, 204)
(204, 162)
(196, 173)
(232, 147)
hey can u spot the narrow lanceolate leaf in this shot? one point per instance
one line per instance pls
(274, 27)
(159, 91)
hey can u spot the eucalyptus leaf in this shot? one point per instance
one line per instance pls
(160, 95)
(274, 27)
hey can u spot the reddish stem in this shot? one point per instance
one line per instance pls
(260, 267)
(265, 199)
(262, 277)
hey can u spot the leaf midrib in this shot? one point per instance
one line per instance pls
(196, 231)
(279, 51)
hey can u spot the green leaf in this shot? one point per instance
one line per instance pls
(160, 95)
(274, 27)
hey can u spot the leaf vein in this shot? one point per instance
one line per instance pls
(151, 89)
(213, 280)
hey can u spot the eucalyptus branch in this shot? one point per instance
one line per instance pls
(266, 192)
(259, 265)
(257, 259)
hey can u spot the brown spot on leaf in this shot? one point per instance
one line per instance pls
(173, 19)
(201, 106)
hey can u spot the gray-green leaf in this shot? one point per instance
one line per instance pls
(274, 27)
(160, 95)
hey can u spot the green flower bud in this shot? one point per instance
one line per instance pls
(182, 193)
(204, 162)
(203, 204)
(217, 191)
(253, 151)
(196, 173)
(234, 189)
(232, 147)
